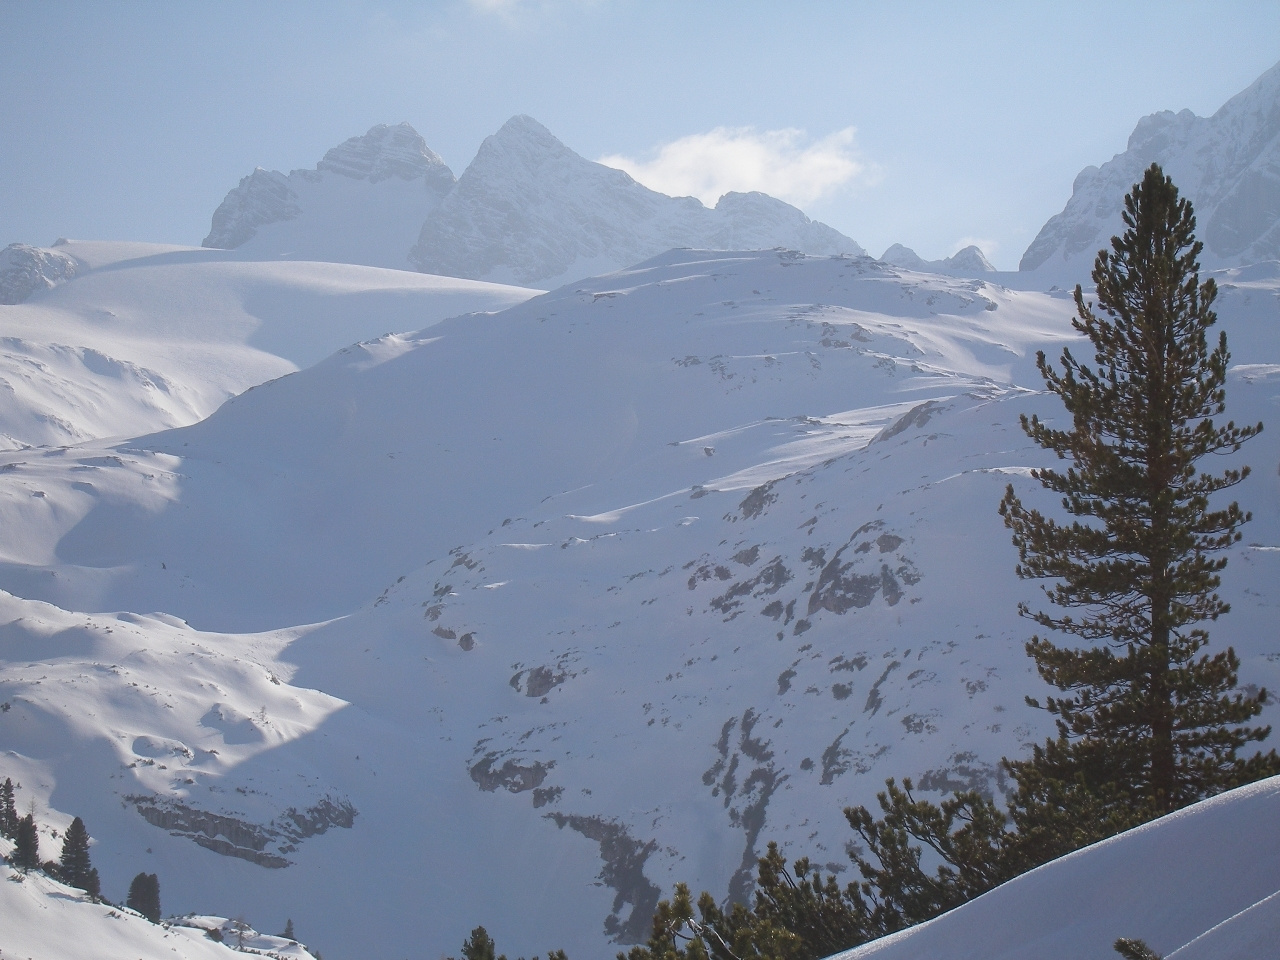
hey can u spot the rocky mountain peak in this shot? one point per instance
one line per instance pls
(1228, 165)
(385, 151)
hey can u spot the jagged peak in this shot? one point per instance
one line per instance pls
(395, 150)
(524, 137)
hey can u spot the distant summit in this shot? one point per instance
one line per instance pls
(363, 203)
(969, 262)
(1228, 165)
(527, 210)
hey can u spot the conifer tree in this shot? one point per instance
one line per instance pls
(1135, 950)
(8, 810)
(1148, 720)
(74, 868)
(480, 946)
(144, 896)
(288, 930)
(26, 844)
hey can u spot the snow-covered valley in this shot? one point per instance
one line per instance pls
(595, 647)
(393, 601)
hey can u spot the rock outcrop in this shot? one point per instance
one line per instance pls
(25, 269)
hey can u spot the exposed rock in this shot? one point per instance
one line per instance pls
(25, 270)
(511, 776)
(623, 872)
(233, 837)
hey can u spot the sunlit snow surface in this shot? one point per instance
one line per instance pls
(547, 609)
(152, 336)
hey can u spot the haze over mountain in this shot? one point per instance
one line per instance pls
(1228, 165)
(528, 211)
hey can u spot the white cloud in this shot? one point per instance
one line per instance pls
(777, 162)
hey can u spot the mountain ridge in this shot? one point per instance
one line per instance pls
(526, 211)
(1227, 164)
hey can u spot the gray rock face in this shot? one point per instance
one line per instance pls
(529, 210)
(1228, 165)
(25, 269)
(262, 197)
(969, 262)
(350, 207)
(388, 151)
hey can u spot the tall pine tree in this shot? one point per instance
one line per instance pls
(1147, 719)
(74, 868)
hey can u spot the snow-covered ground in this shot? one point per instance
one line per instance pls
(1199, 884)
(42, 919)
(148, 336)
(523, 618)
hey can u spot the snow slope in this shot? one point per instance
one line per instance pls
(1200, 883)
(564, 603)
(47, 920)
(530, 211)
(1228, 165)
(148, 336)
(364, 203)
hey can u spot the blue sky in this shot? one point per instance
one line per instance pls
(930, 124)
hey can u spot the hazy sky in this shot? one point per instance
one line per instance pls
(931, 124)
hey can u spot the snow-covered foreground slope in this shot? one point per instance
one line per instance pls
(1200, 884)
(604, 592)
(148, 337)
(1228, 165)
(47, 920)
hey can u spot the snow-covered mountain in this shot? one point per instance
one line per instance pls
(522, 619)
(364, 203)
(148, 336)
(1227, 164)
(968, 262)
(528, 211)
(1200, 884)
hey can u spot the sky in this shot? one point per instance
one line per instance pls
(931, 124)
